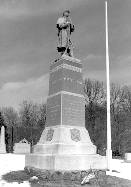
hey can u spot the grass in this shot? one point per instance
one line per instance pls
(16, 176)
(101, 180)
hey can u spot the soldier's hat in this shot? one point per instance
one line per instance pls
(66, 11)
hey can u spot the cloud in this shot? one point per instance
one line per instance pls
(28, 41)
(94, 67)
(120, 69)
(17, 8)
(13, 8)
(36, 89)
(94, 61)
(13, 93)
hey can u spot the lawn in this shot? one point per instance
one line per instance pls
(67, 179)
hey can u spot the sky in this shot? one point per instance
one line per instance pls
(28, 41)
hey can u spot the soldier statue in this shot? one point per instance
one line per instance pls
(65, 28)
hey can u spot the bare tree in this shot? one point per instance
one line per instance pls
(120, 105)
(10, 116)
(42, 115)
(32, 115)
(1, 120)
(95, 97)
(27, 117)
(117, 99)
(94, 91)
(25, 113)
(11, 120)
(127, 94)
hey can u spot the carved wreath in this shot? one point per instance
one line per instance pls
(75, 135)
(49, 135)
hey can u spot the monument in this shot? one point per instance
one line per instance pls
(2, 140)
(65, 143)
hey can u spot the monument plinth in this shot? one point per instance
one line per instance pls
(65, 143)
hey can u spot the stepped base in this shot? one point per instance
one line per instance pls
(65, 140)
(65, 148)
(66, 162)
(60, 148)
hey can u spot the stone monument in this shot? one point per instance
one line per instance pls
(23, 147)
(2, 140)
(65, 143)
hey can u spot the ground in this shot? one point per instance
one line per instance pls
(121, 178)
(102, 181)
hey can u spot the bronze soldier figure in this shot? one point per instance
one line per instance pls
(65, 28)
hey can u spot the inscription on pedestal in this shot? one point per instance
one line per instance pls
(73, 110)
(49, 135)
(75, 135)
(53, 110)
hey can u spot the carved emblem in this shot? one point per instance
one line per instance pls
(75, 135)
(49, 135)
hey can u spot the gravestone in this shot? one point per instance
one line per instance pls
(127, 157)
(23, 147)
(2, 140)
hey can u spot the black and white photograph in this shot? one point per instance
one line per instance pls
(65, 93)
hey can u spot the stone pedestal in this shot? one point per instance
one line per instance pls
(2, 140)
(65, 148)
(65, 143)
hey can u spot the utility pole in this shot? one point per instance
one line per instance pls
(108, 151)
